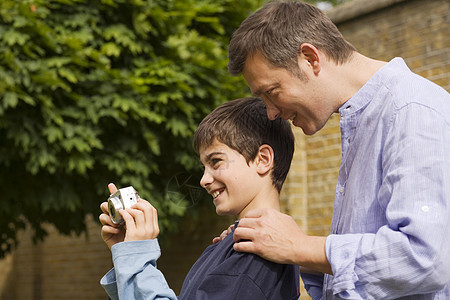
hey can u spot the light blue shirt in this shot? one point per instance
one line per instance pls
(135, 275)
(390, 230)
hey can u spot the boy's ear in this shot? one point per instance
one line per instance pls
(264, 159)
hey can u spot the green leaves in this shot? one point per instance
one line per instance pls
(99, 91)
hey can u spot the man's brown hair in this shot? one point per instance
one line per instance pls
(278, 29)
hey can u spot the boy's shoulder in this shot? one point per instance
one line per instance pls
(221, 265)
(270, 277)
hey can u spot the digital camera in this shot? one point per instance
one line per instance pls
(122, 199)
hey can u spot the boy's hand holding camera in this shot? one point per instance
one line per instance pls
(141, 222)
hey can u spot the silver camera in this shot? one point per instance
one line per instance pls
(122, 199)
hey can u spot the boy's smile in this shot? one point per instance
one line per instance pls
(228, 178)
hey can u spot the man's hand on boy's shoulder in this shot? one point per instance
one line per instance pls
(223, 234)
(270, 234)
(276, 237)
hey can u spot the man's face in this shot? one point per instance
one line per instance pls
(286, 95)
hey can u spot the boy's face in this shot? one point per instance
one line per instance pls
(232, 182)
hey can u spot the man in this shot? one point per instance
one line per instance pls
(390, 229)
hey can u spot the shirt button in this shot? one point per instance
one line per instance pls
(342, 189)
(425, 208)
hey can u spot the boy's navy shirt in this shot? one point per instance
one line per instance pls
(221, 273)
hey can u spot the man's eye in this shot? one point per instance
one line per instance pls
(268, 92)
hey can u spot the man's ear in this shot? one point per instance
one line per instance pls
(309, 55)
(264, 159)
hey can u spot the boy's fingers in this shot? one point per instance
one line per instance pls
(146, 218)
(138, 216)
(104, 207)
(129, 221)
(150, 213)
(110, 229)
(103, 219)
(155, 221)
(112, 188)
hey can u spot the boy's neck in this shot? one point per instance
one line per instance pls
(268, 198)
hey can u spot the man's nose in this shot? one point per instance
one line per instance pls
(272, 112)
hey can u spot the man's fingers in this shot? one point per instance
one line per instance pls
(245, 246)
(248, 223)
(254, 218)
(226, 232)
(256, 213)
(223, 234)
(243, 234)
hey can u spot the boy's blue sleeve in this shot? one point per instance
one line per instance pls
(135, 275)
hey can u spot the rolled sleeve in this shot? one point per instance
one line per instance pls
(313, 285)
(108, 282)
(341, 253)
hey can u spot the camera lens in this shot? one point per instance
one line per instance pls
(112, 211)
(114, 205)
(121, 199)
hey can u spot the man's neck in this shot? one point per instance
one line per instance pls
(355, 73)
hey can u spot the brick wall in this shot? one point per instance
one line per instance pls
(62, 267)
(70, 267)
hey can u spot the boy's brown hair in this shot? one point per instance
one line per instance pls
(243, 125)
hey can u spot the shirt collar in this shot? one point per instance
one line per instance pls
(367, 92)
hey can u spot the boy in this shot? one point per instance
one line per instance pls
(246, 158)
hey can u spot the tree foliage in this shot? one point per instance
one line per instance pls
(98, 91)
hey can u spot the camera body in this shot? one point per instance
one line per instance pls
(122, 199)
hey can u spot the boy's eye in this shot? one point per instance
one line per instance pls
(215, 161)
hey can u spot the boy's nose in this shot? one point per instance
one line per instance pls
(206, 179)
